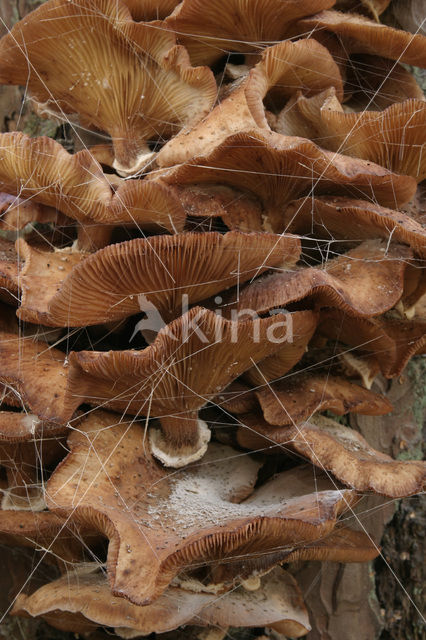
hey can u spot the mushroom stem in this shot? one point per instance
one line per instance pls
(23, 491)
(182, 439)
(129, 159)
(92, 236)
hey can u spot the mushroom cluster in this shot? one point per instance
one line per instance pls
(192, 311)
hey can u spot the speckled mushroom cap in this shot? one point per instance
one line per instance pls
(339, 450)
(365, 281)
(277, 169)
(283, 70)
(345, 218)
(198, 515)
(293, 399)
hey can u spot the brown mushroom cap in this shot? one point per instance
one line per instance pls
(141, 63)
(300, 327)
(365, 281)
(277, 603)
(341, 545)
(283, 70)
(370, 7)
(241, 26)
(59, 541)
(42, 171)
(278, 168)
(191, 360)
(393, 341)
(170, 521)
(37, 373)
(16, 213)
(391, 138)
(346, 218)
(361, 35)
(377, 83)
(297, 397)
(165, 272)
(340, 450)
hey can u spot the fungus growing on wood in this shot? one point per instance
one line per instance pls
(284, 323)
(197, 515)
(141, 63)
(68, 604)
(340, 450)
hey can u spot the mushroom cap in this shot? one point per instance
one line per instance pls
(16, 213)
(393, 341)
(194, 516)
(293, 399)
(241, 26)
(150, 9)
(346, 218)
(365, 281)
(277, 603)
(278, 169)
(284, 69)
(37, 373)
(141, 63)
(8, 271)
(377, 83)
(299, 327)
(190, 361)
(152, 273)
(361, 35)
(339, 450)
(43, 172)
(392, 137)
(61, 540)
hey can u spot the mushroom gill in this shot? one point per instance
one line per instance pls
(141, 63)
